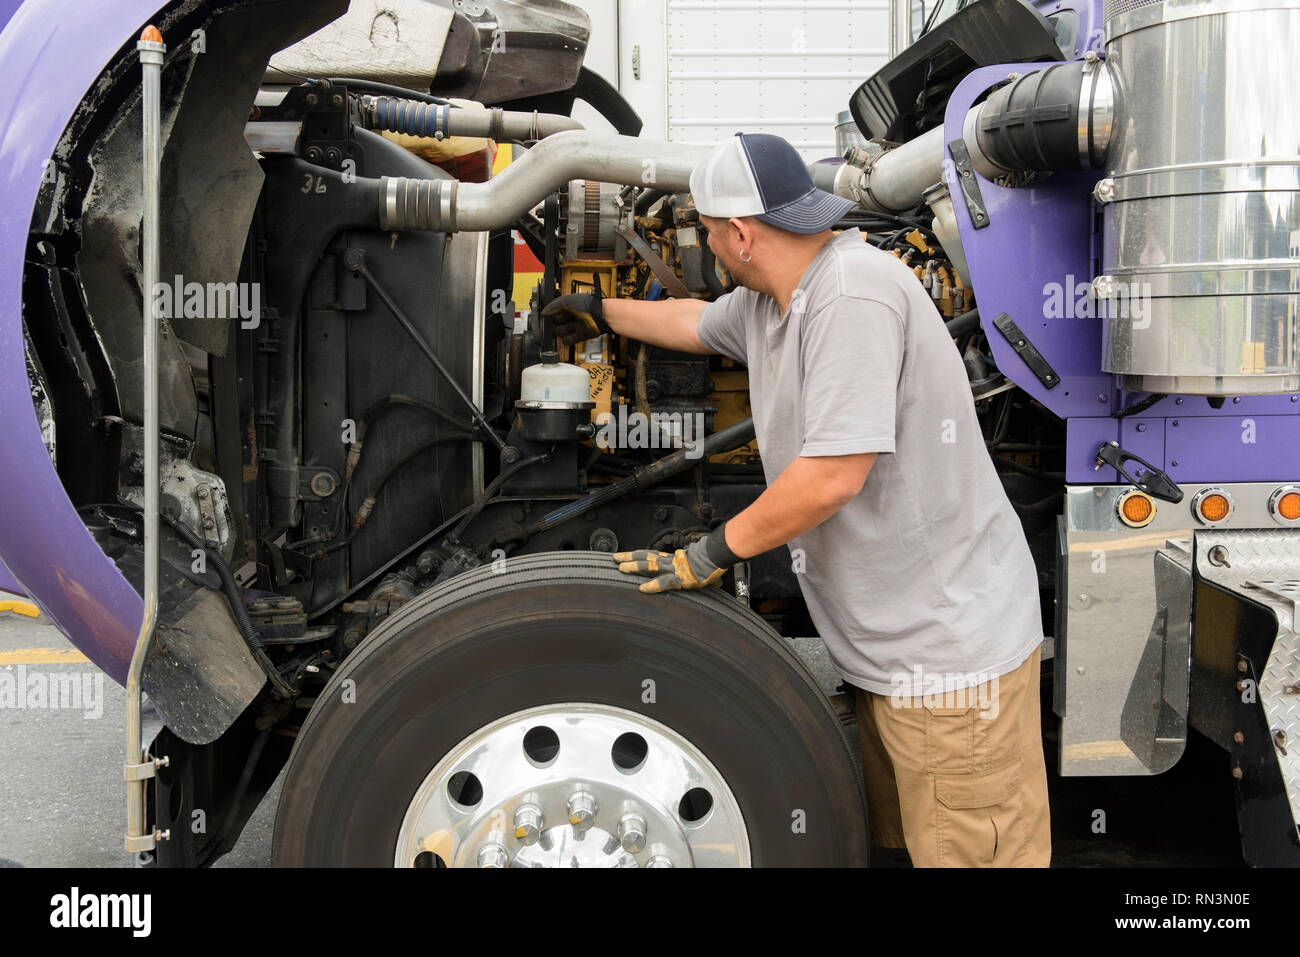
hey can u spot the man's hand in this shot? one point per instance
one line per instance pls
(578, 317)
(698, 565)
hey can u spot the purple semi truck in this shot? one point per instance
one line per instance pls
(385, 512)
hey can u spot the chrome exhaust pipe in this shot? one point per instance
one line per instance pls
(451, 206)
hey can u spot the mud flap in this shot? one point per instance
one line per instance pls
(198, 673)
(1153, 723)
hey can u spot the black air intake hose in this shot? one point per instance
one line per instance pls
(1032, 123)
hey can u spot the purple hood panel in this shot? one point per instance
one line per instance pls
(8, 583)
(51, 52)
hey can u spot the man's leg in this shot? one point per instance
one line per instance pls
(1038, 852)
(972, 781)
(878, 775)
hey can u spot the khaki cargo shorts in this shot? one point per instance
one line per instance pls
(959, 786)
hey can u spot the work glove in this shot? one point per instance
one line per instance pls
(698, 565)
(578, 317)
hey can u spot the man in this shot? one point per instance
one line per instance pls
(913, 564)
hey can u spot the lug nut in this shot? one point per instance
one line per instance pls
(493, 855)
(631, 833)
(582, 811)
(659, 861)
(528, 823)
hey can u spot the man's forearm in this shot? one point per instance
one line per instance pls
(807, 493)
(670, 323)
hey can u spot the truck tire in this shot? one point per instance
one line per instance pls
(549, 714)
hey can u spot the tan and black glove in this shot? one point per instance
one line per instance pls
(698, 565)
(577, 317)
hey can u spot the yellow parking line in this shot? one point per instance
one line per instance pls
(42, 656)
(1098, 750)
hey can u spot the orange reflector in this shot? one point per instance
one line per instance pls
(1288, 506)
(1137, 509)
(1214, 507)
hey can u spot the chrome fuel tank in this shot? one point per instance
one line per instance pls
(1201, 237)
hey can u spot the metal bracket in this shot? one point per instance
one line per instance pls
(281, 480)
(1027, 351)
(138, 845)
(317, 482)
(140, 772)
(663, 272)
(970, 187)
(1153, 481)
(147, 842)
(205, 495)
(146, 769)
(301, 483)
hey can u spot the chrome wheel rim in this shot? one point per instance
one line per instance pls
(574, 785)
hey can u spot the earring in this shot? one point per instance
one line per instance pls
(744, 256)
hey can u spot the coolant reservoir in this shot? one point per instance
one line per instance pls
(554, 381)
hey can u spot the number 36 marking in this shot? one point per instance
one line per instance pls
(313, 184)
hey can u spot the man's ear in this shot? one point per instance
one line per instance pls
(745, 231)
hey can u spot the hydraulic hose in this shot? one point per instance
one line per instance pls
(368, 505)
(481, 502)
(386, 89)
(648, 199)
(960, 325)
(642, 478)
(235, 596)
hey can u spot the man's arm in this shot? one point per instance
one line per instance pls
(809, 491)
(669, 323)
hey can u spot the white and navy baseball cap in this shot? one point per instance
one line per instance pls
(761, 175)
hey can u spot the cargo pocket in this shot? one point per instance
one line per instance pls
(951, 739)
(980, 818)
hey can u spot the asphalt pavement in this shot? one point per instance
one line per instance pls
(62, 796)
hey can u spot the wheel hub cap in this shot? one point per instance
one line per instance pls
(574, 785)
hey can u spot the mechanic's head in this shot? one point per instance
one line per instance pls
(759, 204)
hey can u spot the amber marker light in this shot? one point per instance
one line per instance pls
(1284, 505)
(1212, 506)
(1136, 509)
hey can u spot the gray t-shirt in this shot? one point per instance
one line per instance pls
(925, 576)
